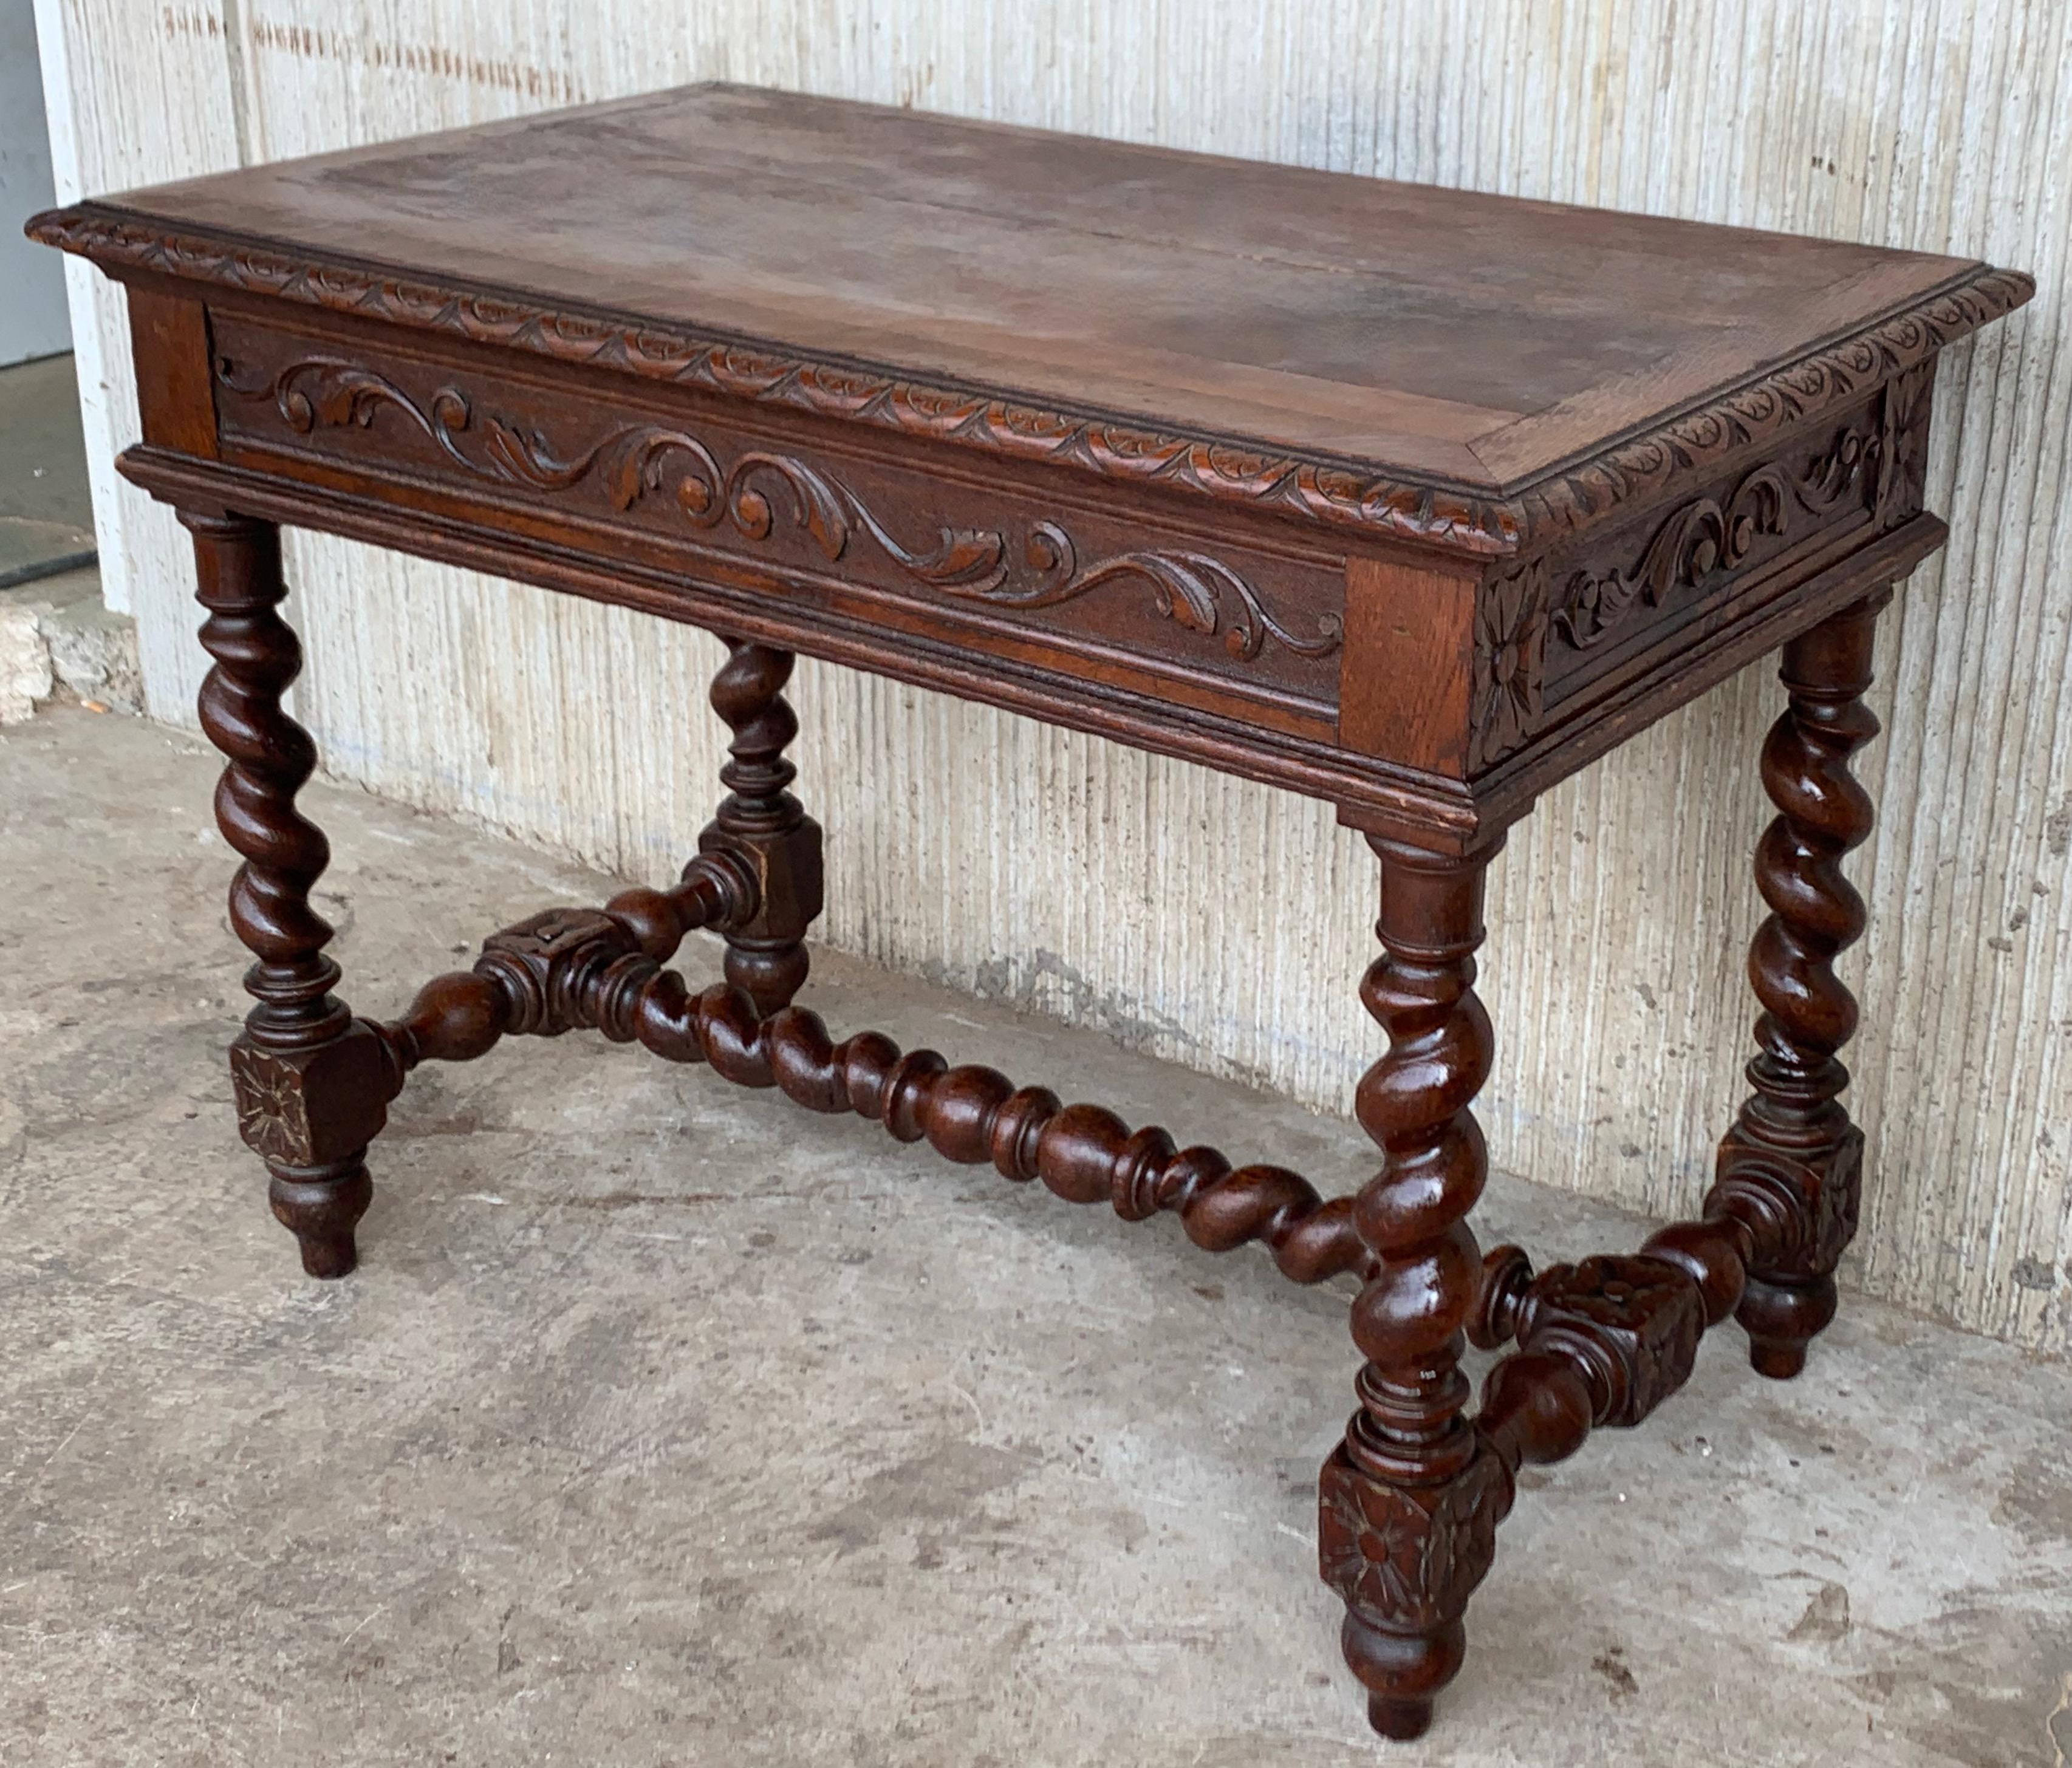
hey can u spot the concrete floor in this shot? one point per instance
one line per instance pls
(666, 1424)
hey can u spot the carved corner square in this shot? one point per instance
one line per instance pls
(1631, 1323)
(1817, 1200)
(789, 875)
(310, 1107)
(271, 1115)
(1509, 694)
(1407, 1558)
(1901, 487)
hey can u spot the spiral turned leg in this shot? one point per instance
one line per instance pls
(309, 1079)
(1793, 1145)
(763, 825)
(1411, 1498)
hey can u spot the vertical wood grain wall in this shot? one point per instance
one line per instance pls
(1210, 921)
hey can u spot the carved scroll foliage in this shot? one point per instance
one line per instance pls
(635, 461)
(1699, 539)
(1706, 536)
(1835, 476)
(1187, 587)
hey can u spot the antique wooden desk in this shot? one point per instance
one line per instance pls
(1410, 500)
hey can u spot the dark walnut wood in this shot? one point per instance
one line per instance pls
(765, 828)
(1408, 1513)
(1794, 1141)
(303, 1070)
(603, 970)
(1184, 450)
(1415, 501)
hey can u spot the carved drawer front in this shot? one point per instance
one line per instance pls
(1633, 586)
(693, 478)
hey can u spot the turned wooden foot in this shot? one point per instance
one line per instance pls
(1793, 1152)
(1404, 1663)
(1782, 1320)
(321, 1207)
(312, 1084)
(1409, 1501)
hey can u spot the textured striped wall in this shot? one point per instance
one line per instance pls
(1212, 922)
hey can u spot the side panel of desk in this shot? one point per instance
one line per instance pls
(1585, 639)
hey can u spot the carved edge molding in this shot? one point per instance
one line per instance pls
(1896, 348)
(634, 462)
(1333, 493)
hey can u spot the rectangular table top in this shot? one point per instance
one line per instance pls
(1426, 335)
(1411, 499)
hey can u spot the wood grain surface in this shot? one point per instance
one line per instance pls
(1436, 335)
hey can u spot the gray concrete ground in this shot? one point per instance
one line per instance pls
(46, 508)
(666, 1424)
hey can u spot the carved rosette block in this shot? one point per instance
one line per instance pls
(1630, 1324)
(1601, 1342)
(1404, 1560)
(1409, 1557)
(1507, 699)
(1816, 1201)
(307, 1108)
(1902, 452)
(310, 1114)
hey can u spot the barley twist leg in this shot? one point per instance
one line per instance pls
(1794, 1140)
(309, 1083)
(1411, 1498)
